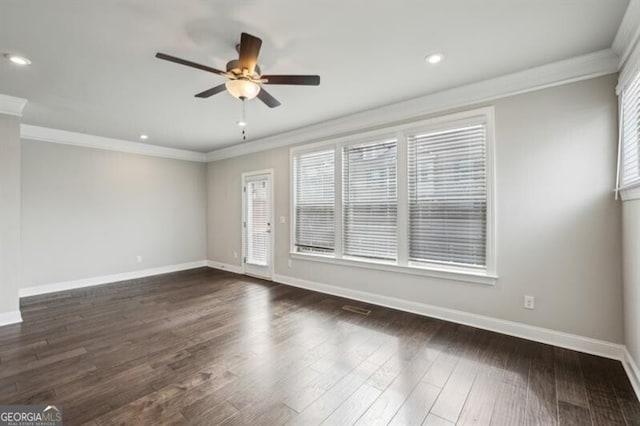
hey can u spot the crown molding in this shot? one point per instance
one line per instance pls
(571, 70)
(579, 68)
(45, 134)
(11, 105)
(628, 33)
(627, 45)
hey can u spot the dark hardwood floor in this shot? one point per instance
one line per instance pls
(209, 347)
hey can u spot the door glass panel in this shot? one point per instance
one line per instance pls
(258, 226)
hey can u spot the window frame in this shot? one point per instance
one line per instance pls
(401, 132)
(624, 184)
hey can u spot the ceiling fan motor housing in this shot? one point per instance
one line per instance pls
(234, 67)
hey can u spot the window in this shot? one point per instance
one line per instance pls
(315, 201)
(448, 196)
(370, 200)
(414, 198)
(630, 132)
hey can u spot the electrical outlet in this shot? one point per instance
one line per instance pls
(235, 254)
(283, 219)
(529, 302)
(290, 263)
(139, 259)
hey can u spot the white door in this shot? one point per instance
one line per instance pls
(257, 220)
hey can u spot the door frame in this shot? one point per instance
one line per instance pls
(272, 209)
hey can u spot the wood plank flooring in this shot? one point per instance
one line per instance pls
(209, 347)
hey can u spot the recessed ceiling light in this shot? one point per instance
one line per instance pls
(17, 59)
(434, 58)
(144, 137)
(241, 123)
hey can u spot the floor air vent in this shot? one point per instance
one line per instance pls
(356, 310)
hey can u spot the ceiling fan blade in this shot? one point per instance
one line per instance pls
(301, 80)
(269, 100)
(188, 63)
(249, 51)
(212, 91)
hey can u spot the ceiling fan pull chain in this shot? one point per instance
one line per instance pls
(244, 120)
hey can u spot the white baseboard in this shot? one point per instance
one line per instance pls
(225, 267)
(537, 334)
(633, 371)
(108, 279)
(7, 318)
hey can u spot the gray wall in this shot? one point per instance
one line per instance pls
(631, 244)
(9, 213)
(89, 212)
(558, 226)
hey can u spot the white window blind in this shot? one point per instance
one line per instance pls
(448, 196)
(257, 222)
(315, 201)
(630, 104)
(370, 200)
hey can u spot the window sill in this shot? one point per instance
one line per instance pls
(412, 269)
(631, 192)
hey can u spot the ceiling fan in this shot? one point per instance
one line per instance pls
(244, 78)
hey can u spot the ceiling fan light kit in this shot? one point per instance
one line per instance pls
(242, 89)
(244, 78)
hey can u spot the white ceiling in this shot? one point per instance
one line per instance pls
(94, 69)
